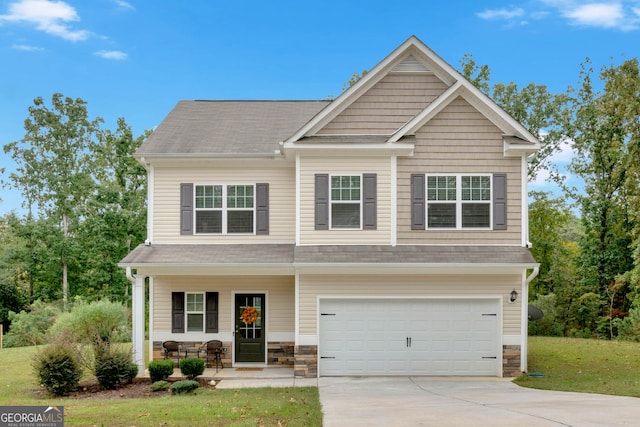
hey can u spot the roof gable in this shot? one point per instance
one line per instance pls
(413, 56)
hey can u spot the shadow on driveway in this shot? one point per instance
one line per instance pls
(435, 401)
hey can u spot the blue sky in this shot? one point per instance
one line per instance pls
(137, 59)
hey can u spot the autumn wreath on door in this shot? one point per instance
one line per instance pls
(249, 315)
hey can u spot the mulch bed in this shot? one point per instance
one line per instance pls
(139, 387)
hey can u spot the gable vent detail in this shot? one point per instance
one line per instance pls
(410, 65)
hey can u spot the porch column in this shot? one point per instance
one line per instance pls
(137, 329)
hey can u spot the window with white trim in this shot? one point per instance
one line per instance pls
(195, 311)
(346, 201)
(459, 201)
(224, 209)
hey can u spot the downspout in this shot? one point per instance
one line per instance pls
(524, 348)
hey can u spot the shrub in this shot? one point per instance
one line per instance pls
(160, 370)
(113, 368)
(95, 323)
(160, 386)
(57, 368)
(184, 386)
(192, 367)
(30, 327)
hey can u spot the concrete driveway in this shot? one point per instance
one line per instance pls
(429, 401)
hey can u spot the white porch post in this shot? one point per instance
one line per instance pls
(137, 306)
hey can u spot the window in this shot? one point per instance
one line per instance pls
(345, 201)
(221, 209)
(458, 201)
(195, 312)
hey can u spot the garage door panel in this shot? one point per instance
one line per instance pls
(446, 337)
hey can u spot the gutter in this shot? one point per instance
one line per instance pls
(533, 275)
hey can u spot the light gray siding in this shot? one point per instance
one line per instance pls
(459, 140)
(387, 105)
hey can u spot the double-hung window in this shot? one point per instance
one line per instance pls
(195, 312)
(346, 201)
(224, 209)
(459, 201)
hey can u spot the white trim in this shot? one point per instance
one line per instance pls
(151, 322)
(224, 209)
(150, 201)
(428, 113)
(307, 340)
(296, 298)
(345, 202)
(297, 199)
(394, 201)
(512, 340)
(459, 202)
(524, 200)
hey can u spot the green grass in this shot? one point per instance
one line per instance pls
(299, 406)
(584, 365)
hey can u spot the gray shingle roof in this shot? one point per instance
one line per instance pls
(228, 127)
(265, 254)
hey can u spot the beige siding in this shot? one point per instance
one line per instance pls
(309, 166)
(313, 286)
(166, 225)
(387, 105)
(459, 140)
(280, 299)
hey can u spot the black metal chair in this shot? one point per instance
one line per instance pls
(213, 352)
(171, 348)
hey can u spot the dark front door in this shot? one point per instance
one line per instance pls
(250, 333)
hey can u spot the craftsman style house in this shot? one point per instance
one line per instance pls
(381, 233)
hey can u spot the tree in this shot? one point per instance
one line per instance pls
(537, 109)
(549, 219)
(602, 128)
(116, 212)
(55, 166)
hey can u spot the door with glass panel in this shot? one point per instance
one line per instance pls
(249, 333)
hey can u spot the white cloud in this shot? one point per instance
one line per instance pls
(124, 4)
(51, 17)
(26, 47)
(115, 55)
(502, 14)
(599, 14)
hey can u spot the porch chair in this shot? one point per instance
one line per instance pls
(213, 352)
(171, 348)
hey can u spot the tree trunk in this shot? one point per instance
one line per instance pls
(65, 284)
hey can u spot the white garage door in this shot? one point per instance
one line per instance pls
(409, 337)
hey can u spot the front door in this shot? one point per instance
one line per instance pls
(250, 333)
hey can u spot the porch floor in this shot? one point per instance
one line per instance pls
(239, 377)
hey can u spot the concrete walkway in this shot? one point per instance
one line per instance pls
(259, 377)
(428, 401)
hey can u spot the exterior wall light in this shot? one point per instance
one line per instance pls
(513, 296)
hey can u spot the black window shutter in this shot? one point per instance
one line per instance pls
(211, 317)
(322, 201)
(418, 213)
(369, 200)
(262, 208)
(186, 208)
(500, 201)
(177, 312)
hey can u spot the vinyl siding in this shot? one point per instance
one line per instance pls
(314, 286)
(309, 166)
(459, 140)
(280, 299)
(166, 225)
(387, 105)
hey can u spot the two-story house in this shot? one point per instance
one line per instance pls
(380, 233)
